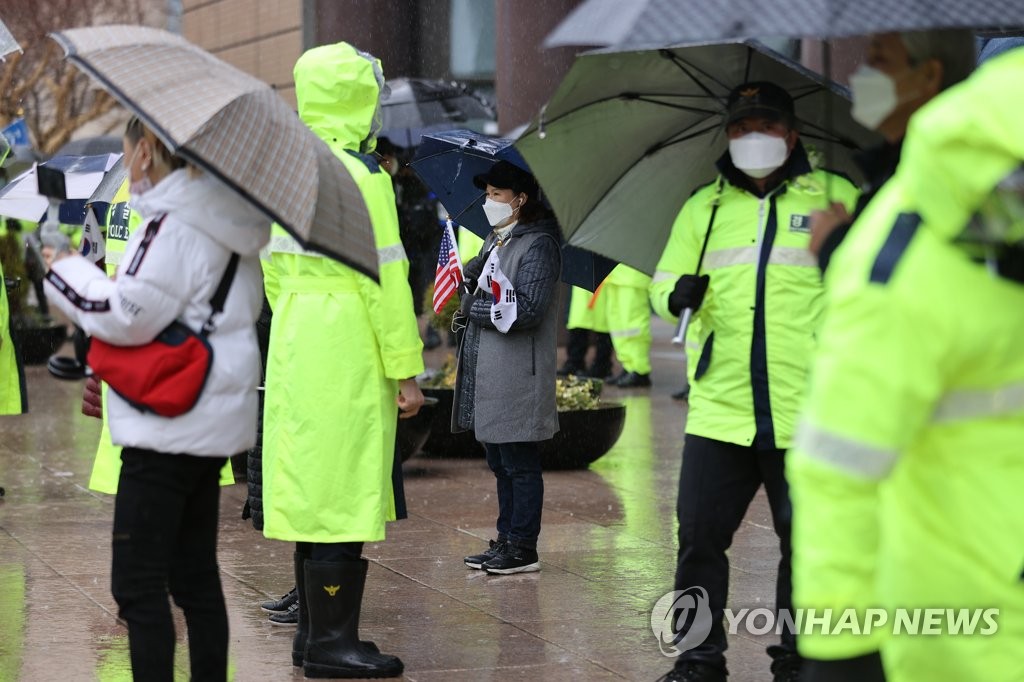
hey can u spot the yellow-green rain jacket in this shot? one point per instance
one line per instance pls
(907, 477)
(11, 399)
(106, 466)
(339, 341)
(763, 306)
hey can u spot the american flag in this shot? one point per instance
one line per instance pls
(449, 269)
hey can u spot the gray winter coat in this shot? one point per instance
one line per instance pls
(505, 385)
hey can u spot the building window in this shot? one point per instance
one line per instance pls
(472, 39)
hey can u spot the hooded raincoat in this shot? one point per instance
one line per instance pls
(339, 341)
(906, 476)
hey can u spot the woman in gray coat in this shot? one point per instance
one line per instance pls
(505, 385)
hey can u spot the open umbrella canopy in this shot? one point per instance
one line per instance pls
(653, 23)
(21, 199)
(414, 107)
(447, 162)
(628, 136)
(234, 126)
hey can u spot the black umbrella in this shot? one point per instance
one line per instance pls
(653, 23)
(414, 107)
(447, 162)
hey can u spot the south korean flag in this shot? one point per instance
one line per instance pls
(503, 305)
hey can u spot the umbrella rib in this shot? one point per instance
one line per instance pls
(685, 68)
(676, 140)
(631, 97)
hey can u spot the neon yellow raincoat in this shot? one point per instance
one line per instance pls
(339, 341)
(907, 475)
(763, 305)
(629, 317)
(10, 378)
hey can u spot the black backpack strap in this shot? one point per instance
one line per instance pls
(221, 295)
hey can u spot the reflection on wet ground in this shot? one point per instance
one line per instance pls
(607, 547)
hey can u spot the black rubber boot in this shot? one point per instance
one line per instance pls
(334, 596)
(302, 631)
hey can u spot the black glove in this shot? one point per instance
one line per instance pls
(471, 271)
(689, 293)
(866, 668)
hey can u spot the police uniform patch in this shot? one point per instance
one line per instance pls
(800, 223)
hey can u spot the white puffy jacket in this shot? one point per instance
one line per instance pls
(175, 279)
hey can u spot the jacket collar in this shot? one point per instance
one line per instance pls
(796, 165)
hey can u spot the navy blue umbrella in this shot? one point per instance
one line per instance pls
(447, 161)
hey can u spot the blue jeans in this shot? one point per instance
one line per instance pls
(165, 541)
(516, 467)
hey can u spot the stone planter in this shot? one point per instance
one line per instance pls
(413, 432)
(37, 344)
(442, 442)
(583, 436)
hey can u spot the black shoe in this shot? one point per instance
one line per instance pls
(478, 560)
(682, 395)
(634, 380)
(283, 604)
(513, 559)
(568, 368)
(786, 667)
(692, 671)
(289, 617)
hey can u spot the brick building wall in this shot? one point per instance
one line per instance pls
(261, 38)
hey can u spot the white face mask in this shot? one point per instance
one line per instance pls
(874, 97)
(757, 154)
(498, 213)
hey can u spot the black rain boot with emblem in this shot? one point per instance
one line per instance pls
(334, 597)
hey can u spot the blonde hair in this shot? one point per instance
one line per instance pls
(135, 130)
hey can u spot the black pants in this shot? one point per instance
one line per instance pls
(716, 485)
(516, 467)
(165, 540)
(578, 345)
(330, 551)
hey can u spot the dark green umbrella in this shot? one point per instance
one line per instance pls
(628, 136)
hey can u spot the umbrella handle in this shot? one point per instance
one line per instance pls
(684, 323)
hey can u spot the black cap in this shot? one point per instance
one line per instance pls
(505, 175)
(762, 99)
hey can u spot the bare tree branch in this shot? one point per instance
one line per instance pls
(54, 97)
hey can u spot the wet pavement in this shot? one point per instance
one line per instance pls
(607, 549)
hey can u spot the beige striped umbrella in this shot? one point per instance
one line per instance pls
(234, 126)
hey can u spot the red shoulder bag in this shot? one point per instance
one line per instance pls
(165, 376)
